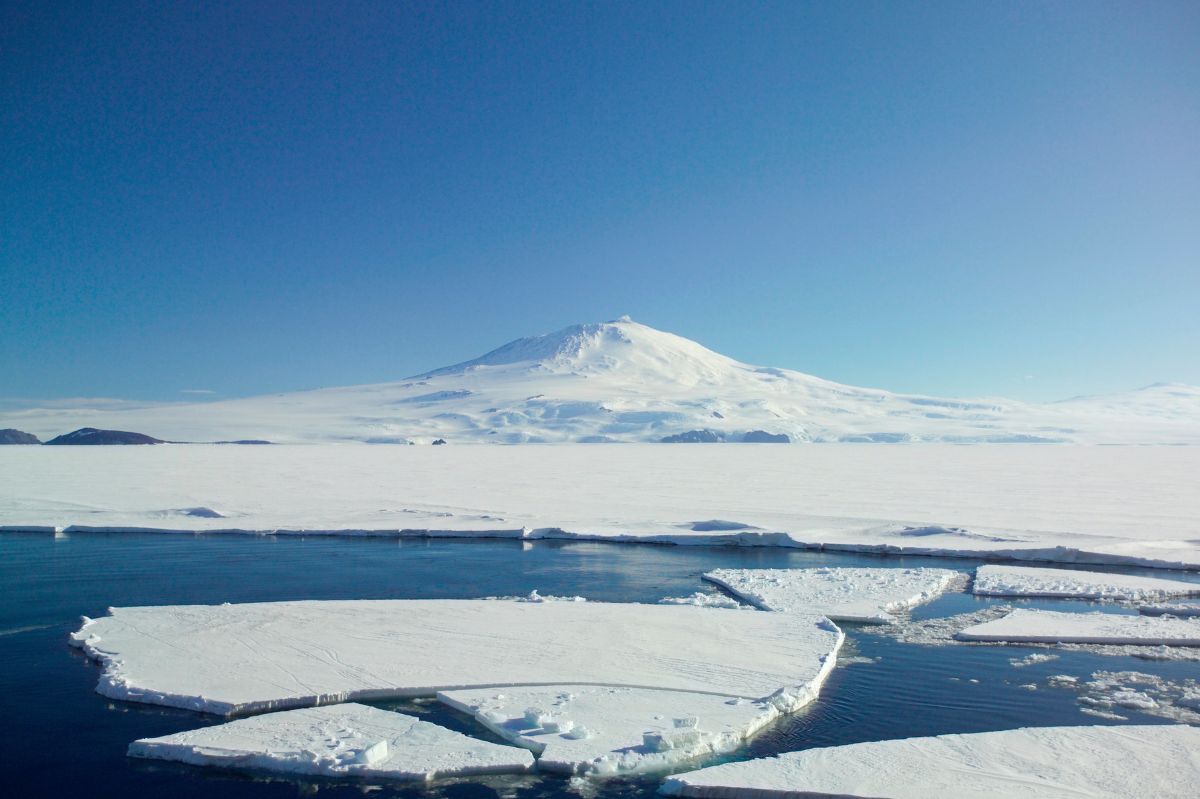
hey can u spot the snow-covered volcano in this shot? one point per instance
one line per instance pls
(624, 381)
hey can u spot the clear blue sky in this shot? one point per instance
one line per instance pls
(963, 198)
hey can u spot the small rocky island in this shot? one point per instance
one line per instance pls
(91, 435)
(10, 435)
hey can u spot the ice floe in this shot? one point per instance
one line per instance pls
(1145, 762)
(605, 731)
(1050, 626)
(1031, 660)
(1171, 609)
(246, 658)
(339, 740)
(842, 594)
(706, 599)
(994, 580)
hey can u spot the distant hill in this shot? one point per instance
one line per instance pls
(623, 381)
(10, 435)
(92, 436)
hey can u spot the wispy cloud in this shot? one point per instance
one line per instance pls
(196, 391)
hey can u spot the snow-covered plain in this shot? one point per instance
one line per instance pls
(248, 658)
(605, 731)
(339, 740)
(1051, 626)
(1099, 505)
(992, 580)
(623, 381)
(1142, 762)
(860, 595)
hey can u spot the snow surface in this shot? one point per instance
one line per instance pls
(249, 658)
(608, 731)
(859, 595)
(1098, 505)
(623, 381)
(1146, 762)
(992, 580)
(1051, 626)
(340, 740)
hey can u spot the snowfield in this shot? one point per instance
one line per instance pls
(623, 381)
(338, 741)
(1068, 583)
(1051, 626)
(251, 658)
(1097, 505)
(1133, 762)
(869, 596)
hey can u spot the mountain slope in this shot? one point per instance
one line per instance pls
(623, 381)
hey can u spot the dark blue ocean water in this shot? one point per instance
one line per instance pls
(59, 738)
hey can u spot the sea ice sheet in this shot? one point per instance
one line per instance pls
(1133, 762)
(861, 595)
(1050, 626)
(994, 580)
(1082, 505)
(339, 740)
(605, 731)
(235, 659)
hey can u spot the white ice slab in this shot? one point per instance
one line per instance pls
(229, 659)
(602, 731)
(861, 595)
(1171, 609)
(338, 740)
(1149, 762)
(993, 580)
(1097, 505)
(1050, 626)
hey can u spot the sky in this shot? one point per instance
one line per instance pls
(201, 201)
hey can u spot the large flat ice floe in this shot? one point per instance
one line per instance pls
(993, 580)
(605, 731)
(233, 659)
(860, 595)
(339, 740)
(1050, 626)
(1143, 762)
(1098, 505)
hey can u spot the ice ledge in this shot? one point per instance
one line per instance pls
(888, 540)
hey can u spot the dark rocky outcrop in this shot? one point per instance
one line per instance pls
(12, 436)
(763, 437)
(90, 435)
(694, 437)
(439, 442)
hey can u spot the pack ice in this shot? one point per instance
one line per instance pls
(995, 580)
(842, 594)
(1051, 627)
(246, 658)
(605, 731)
(1133, 762)
(340, 740)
